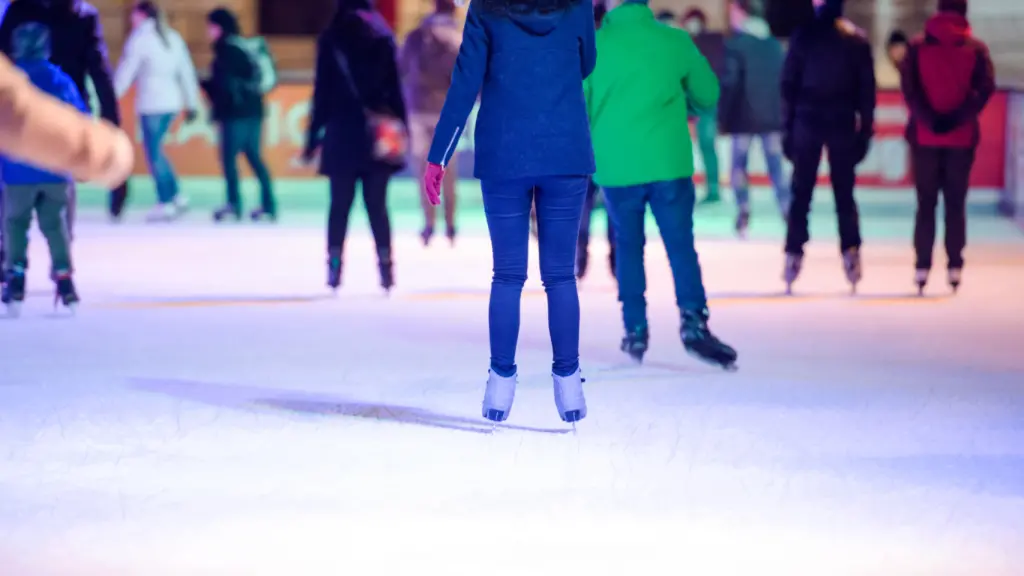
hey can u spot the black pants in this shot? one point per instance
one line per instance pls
(583, 241)
(244, 136)
(375, 197)
(118, 199)
(842, 147)
(945, 171)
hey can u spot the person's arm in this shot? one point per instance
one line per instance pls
(588, 43)
(41, 130)
(792, 80)
(467, 80)
(913, 92)
(867, 92)
(128, 67)
(983, 86)
(699, 81)
(187, 77)
(323, 95)
(99, 71)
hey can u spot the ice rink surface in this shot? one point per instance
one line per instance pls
(212, 411)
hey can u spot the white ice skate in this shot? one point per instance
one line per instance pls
(572, 406)
(498, 397)
(162, 213)
(14, 309)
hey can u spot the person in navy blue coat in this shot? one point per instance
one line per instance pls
(526, 59)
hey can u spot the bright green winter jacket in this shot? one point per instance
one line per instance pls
(637, 95)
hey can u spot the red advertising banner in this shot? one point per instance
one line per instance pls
(193, 147)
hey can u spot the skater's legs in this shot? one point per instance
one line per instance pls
(69, 213)
(707, 137)
(771, 145)
(232, 134)
(51, 204)
(929, 166)
(507, 205)
(842, 158)
(626, 208)
(421, 132)
(672, 205)
(739, 177)
(19, 202)
(559, 205)
(956, 182)
(154, 128)
(252, 138)
(807, 149)
(343, 192)
(375, 198)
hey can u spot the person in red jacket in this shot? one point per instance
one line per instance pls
(947, 80)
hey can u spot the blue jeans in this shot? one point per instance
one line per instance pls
(672, 204)
(507, 204)
(154, 128)
(771, 145)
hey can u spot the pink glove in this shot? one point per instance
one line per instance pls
(432, 183)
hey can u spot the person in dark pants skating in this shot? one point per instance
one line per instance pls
(237, 101)
(583, 240)
(356, 76)
(828, 94)
(947, 79)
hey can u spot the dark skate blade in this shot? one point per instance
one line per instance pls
(727, 364)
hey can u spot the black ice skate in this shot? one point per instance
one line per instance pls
(794, 262)
(13, 292)
(634, 343)
(851, 264)
(387, 271)
(261, 215)
(921, 279)
(702, 344)
(954, 275)
(333, 269)
(227, 213)
(66, 293)
(742, 222)
(451, 233)
(426, 235)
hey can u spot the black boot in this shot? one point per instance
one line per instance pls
(386, 266)
(426, 235)
(13, 293)
(851, 265)
(333, 268)
(702, 344)
(66, 293)
(451, 233)
(635, 344)
(227, 213)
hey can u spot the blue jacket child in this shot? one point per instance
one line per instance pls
(526, 60)
(31, 53)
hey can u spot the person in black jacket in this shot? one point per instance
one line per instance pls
(828, 95)
(80, 51)
(237, 100)
(750, 105)
(356, 80)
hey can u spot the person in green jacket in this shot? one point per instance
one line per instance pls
(637, 98)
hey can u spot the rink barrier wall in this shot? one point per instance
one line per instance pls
(1012, 200)
(193, 147)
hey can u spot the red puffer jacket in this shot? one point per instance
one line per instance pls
(947, 79)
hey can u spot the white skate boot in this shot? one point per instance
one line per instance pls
(572, 406)
(498, 398)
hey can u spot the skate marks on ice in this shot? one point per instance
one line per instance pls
(247, 398)
(798, 297)
(212, 301)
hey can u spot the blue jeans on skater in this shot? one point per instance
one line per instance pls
(559, 201)
(771, 146)
(154, 128)
(672, 204)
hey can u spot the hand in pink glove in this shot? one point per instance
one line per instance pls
(432, 178)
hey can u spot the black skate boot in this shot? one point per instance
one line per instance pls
(954, 276)
(386, 266)
(702, 344)
(635, 344)
(232, 213)
(742, 222)
(261, 215)
(851, 264)
(66, 293)
(451, 233)
(921, 279)
(333, 269)
(426, 235)
(582, 260)
(13, 293)
(794, 262)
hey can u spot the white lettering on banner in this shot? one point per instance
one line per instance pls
(295, 123)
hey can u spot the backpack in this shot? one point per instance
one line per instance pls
(265, 76)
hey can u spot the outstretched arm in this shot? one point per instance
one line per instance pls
(99, 71)
(467, 80)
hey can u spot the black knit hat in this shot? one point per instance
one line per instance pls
(224, 18)
(955, 6)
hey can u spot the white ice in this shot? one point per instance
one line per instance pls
(210, 411)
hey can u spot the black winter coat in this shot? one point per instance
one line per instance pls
(750, 102)
(341, 99)
(828, 80)
(77, 45)
(230, 85)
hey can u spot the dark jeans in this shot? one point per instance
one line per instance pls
(244, 136)
(50, 202)
(672, 204)
(154, 128)
(945, 171)
(559, 203)
(583, 240)
(375, 197)
(842, 158)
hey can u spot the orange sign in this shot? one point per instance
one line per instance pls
(194, 151)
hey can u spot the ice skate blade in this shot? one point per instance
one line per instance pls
(728, 366)
(495, 415)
